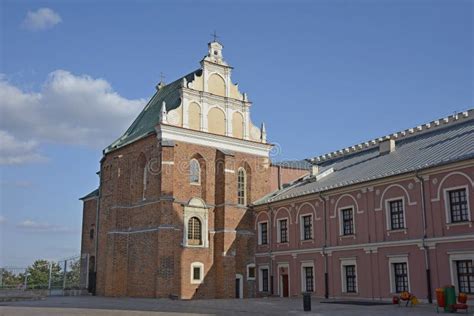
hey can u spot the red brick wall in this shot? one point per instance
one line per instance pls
(284, 175)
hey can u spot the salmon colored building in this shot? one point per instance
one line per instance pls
(389, 215)
(190, 205)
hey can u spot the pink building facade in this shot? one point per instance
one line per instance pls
(376, 221)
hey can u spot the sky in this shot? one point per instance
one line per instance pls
(322, 75)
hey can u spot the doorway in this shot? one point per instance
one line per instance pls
(239, 286)
(284, 285)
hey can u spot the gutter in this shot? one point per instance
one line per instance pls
(423, 243)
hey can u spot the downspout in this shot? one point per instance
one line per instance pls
(425, 248)
(326, 275)
(269, 240)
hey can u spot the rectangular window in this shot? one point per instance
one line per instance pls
(283, 230)
(351, 286)
(251, 272)
(397, 220)
(465, 271)
(307, 227)
(347, 222)
(308, 275)
(264, 280)
(400, 272)
(197, 273)
(458, 205)
(263, 233)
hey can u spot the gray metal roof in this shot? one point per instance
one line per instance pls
(447, 143)
(90, 195)
(293, 164)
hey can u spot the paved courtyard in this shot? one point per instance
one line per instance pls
(102, 306)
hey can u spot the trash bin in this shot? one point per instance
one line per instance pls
(307, 301)
(450, 298)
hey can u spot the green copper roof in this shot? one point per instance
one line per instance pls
(145, 123)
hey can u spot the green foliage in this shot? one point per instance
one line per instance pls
(38, 274)
(11, 280)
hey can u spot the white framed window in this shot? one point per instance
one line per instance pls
(282, 230)
(462, 270)
(346, 221)
(251, 271)
(306, 226)
(194, 172)
(197, 272)
(241, 187)
(307, 276)
(195, 232)
(395, 213)
(263, 279)
(456, 200)
(399, 273)
(349, 275)
(263, 233)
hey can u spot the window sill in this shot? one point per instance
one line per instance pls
(194, 246)
(395, 231)
(194, 183)
(197, 282)
(307, 241)
(448, 225)
(283, 243)
(350, 293)
(353, 236)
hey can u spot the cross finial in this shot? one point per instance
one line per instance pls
(162, 77)
(214, 36)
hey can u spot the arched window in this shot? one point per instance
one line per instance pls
(194, 172)
(194, 231)
(241, 187)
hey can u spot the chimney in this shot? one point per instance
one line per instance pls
(314, 170)
(386, 146)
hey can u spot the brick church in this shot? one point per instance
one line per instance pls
(191, 206)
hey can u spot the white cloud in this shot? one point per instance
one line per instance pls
(69, 109)
(43, 227)
(14, 151)
(3, 220)
(42, 19)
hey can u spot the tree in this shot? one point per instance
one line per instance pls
(38, 274)
(73, 275)
(11, 280)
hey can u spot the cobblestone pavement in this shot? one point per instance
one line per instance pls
(101, 306)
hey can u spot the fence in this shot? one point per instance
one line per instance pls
(58, 277)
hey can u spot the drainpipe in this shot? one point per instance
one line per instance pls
(97, 212)
(425, 248)
(326, 275)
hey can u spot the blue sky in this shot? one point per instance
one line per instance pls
(321, 74)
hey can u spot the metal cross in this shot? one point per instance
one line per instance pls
(214, 35)
(162, 77)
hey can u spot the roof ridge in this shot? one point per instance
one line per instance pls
(404, 134)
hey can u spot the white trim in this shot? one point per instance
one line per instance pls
(437, 198)
(397, 259)
(260, 233)
(464, 255)
(276, 213)
(305, 264)
(344, 263)
(410, 203)
(229, 171)
(202, 214)
(279, 230)
(241, 285)
(251, 265)
(260, 278)
(341, 225)
(165, 162)
(374, 246)
(280, 280)
(337, 213)
(301, 206)
(199, 265)
(388, 213)
(447, 206)
(180, 134)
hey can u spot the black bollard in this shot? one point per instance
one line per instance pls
(307, 301)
